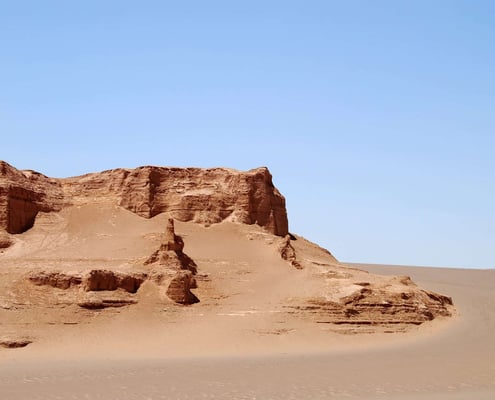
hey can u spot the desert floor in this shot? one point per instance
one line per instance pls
(452, 359)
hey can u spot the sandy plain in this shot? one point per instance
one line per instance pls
(235, 343)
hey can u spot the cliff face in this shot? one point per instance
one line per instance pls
(23, 194)
(187, 194)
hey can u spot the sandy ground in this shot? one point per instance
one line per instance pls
(455, 361)
(235, 343)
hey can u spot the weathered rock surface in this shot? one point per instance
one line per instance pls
(180, 287)
(88, 235)
(23, 194)
(390, 302)
(169, 266)
(188, 194)
(170, 254)
(288, 253)
(57, 280)
(94, 280)
(5, 240)
(171, 258)
(108, 280)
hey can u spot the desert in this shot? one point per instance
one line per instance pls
(160, 282)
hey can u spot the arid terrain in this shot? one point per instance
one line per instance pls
(186, 283)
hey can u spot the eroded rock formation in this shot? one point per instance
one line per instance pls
(170, 254)
(5, 240)
(168, 266)
(200, 195)
(23, 194)
(180, 287)
(101, 279)
(390, 302)
(171, 258)
(288, 253)
(337, 294)
(94, 280)
(54, 279)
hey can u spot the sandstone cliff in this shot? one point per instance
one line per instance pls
(200, 195)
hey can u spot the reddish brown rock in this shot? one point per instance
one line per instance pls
(57, 280)
(188, 194)
(179, 289)
(5, 240)
(378, 304)
(170, 254)
(101, 279)
(23, 194)
(95, 280)
(288, 253)
(171, 241)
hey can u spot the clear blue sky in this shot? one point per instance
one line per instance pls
(376, 118)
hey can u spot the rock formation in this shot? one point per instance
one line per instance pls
(180, 287)
(387, 302)
(288, 253)
(5, 240)
(94, 280)
(55, 279)
(114, 269)
(200, 195)
(23, 194)
(169, 266)
(108, 280)
(171, 258)
(170, 254)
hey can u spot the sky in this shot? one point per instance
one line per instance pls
(376, 118)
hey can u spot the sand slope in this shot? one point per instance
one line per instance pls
(453, 362)
(244, 339)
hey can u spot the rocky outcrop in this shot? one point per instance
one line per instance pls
(94, 280)
(179, 289)
(170, 258)
(170, 254)
(23, 194)
(391, 302)
(57, 280)
(199, 195)
(288, 253)
(100, 279)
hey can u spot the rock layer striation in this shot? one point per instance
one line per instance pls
(200, 195)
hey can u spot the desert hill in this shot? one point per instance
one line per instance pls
(162, 252)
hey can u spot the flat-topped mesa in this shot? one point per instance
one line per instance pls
(201, 195)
